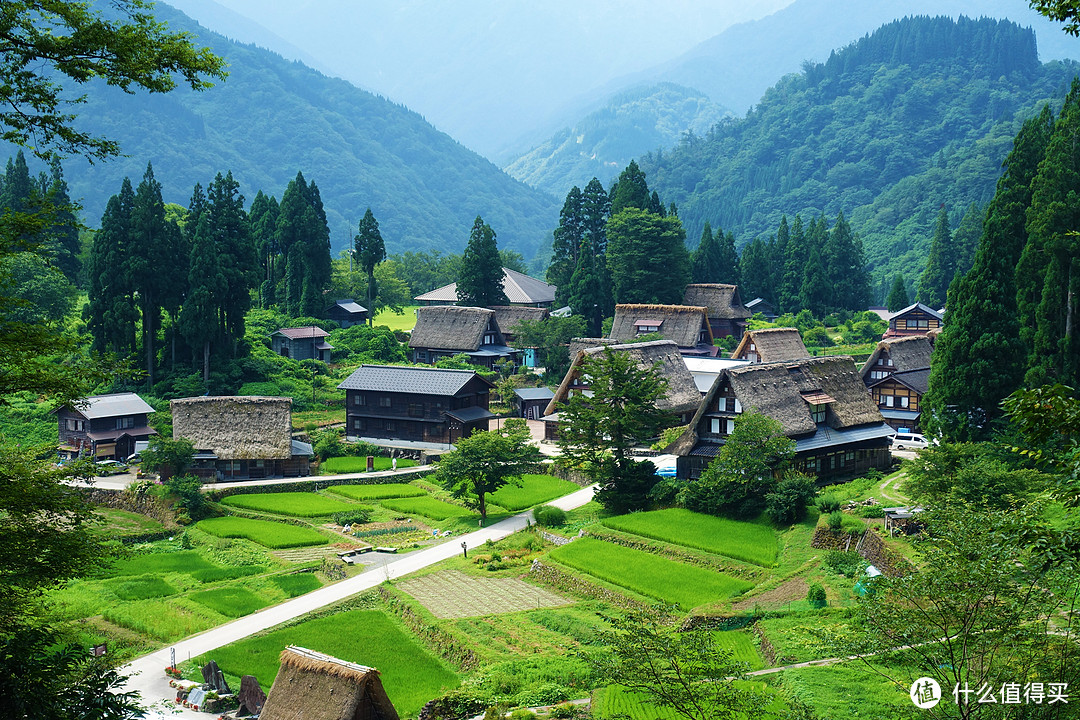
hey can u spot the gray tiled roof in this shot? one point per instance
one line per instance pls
(397, 378)
(101, 406)
(541, 393)
(831, 437)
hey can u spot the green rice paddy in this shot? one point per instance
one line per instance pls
(184, 561)
(648, 574)
(163, 620)
(264, 532)
(428, 507)
(377, 492)
(231, 602)
(750, 542)
(140, 588)
(296, 585)
(348, 464)
(218, 574)
(296, 504)
(534, 490)
(410, 674)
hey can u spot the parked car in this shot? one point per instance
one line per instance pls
(909, 441)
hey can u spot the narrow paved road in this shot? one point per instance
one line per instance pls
(147, 674)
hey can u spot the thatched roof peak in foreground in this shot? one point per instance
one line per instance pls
(906, 353)
(682, 324)
(315, 686)
(681, 396)
(508, 316)
(236, 427)
(451, 327)
(722, 300)
(772, 345)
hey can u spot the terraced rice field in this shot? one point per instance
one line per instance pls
(377, 492)
(342, 465)
(534, 490)
(428, 507)
(452, 594)
(232, 602)
(648, 574)
(295, 504)
(746, 541)
(264, 532)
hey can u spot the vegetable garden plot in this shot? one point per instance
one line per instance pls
(452, 594)
(746, 541)
(264, 532)
(649, 574)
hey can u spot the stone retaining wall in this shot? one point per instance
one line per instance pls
(148, 505)
(441, 642)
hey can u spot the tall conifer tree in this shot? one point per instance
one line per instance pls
(480, 280)
(150, 243)
(111, 313)
(566, 244)
(706, 261)
(586, 292)
(940, 265)
(370, 250)
(898, 298)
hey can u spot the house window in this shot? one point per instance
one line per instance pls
(124, 423)
(389, 425)
(416, 410)
(384, 401)
(76, 425)
(646, 329)
(889, 399)
(359, 399)
(421, 355)
(721, 405)
(714, 426)
(738, 406)
(358, 424)
(818, 413)
(489, 339)
(903, 402)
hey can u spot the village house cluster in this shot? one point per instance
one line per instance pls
(840, 416)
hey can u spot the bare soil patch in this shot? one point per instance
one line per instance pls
(785, 592)
(452, 594)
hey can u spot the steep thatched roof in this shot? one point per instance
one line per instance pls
(314, 686)
(906, 353)
(579, 344)
(785, 390)
(449, 327)
(682, 324)
(723, 301)
(773, 345)
(508, 316)
(236, 427)
(682, 394)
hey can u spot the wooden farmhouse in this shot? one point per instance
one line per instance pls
(508, 317)
(105, 427)
(897, 375)
(727, 314)
(686, 326)
(763, 306)
(520, 289)
(315, 686)
(917, 319)
(531, 402)
(772, 345)
(240, 437)
(302, 343)
(681, 398)
(347, 313)
(398, 406)
(442, 331)
(821, 404)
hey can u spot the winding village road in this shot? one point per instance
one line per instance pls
(147, 674)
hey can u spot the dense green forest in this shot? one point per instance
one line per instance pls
(604, 141)
(916, 116)
(271, 117)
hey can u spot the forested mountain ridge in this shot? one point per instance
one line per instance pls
(271, 118)
(918, 115)
(604, 141)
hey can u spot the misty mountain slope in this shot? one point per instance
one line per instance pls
(605, 141)
(918, 115)
(272, 117)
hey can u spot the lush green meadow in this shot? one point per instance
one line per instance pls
(349, 464)
(184, 561)
(534, 490)
(409, 673)
(404, 321)
(648, 574)
(428, 507)
(264, 532)
(141, 587)
(741, 646)
(750, 542)
(227, 573)
(232, 602)
(296, 504)
(377, 492)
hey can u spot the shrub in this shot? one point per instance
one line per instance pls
(353, 517)
(188, 492)
(816, 596)
(550, 515)
(848, 564)
(666, 491)
(836, 520)
(787, 503)
(563, 711)
(872, 511)
(828, 503)
(817, 337)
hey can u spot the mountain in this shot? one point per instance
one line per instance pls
(489, 71)
(605, 141)
(917, 116)
(271, 118)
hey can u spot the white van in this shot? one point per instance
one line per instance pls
(909, 441)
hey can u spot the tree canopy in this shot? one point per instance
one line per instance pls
(486, 460)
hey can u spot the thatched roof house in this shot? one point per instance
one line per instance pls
(520, 289)
(727, 314)
(314, 686)
(509, 317)
(821, 403)
(771, 345)
(686, 326)
(682, 396)
(898, 375)
(446, 330)
(241, 436)
(898, 354)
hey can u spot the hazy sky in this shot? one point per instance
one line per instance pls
(483, 69)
